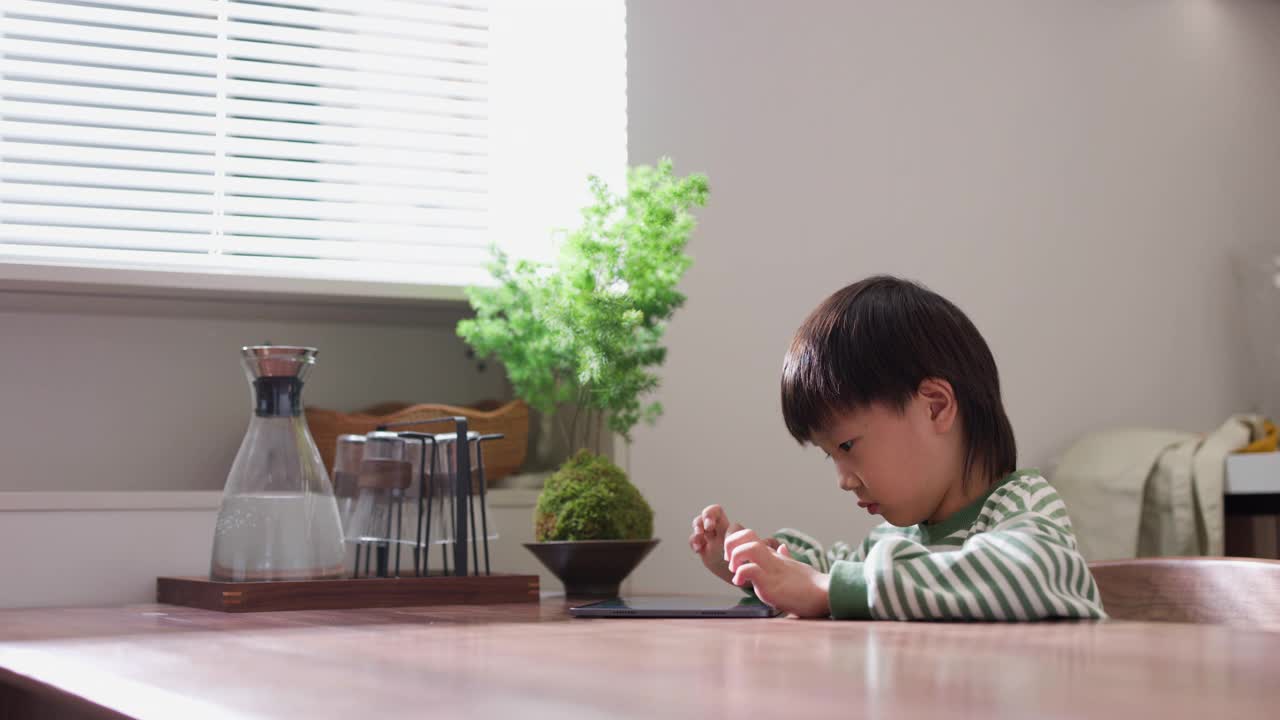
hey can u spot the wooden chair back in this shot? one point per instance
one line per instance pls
(1223, 591)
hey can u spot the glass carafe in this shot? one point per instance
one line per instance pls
(279, 519)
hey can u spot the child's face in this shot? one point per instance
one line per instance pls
(900, 465)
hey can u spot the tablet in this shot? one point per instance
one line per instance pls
(675, 606)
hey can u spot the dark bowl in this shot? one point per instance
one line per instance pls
(591, 568)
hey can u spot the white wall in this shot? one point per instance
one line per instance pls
(99, 392)
(1072, 174)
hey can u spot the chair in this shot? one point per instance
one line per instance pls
(1243, 592)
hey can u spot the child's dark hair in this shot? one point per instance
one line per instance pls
(874, 342)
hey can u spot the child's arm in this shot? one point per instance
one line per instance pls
(809, 551)
(1025, 567)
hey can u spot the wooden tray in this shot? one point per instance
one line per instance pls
(348, 593)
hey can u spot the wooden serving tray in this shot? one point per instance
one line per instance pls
(346, 593)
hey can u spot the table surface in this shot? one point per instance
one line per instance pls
(534, 661)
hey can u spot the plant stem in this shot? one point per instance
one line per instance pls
(572, 437)
(577, 413)
(557, 416)
(581, 406)
(597, 421)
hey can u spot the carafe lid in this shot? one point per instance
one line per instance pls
(277, 360)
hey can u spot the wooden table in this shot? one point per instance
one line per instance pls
(533, 661)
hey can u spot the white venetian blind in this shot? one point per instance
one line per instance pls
(326, 139)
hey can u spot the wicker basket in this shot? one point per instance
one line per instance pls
(501, 457)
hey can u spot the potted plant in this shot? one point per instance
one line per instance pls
(581, 339)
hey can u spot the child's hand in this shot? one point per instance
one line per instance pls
(710, 528)
(786, 584)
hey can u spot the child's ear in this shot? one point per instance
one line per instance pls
(940, 399)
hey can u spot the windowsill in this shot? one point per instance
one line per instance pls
(109, 291)
(133, 282)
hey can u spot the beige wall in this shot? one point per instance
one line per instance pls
(1072, 174)
(153, 391)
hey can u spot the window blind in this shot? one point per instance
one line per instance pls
(329, 139)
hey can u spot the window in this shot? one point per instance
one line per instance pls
(372, 146)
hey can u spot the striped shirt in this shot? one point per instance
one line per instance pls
(1010, 555)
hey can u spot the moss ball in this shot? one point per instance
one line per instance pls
(590, 498)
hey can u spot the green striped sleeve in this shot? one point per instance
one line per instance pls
(803, 548)
(809, 551)
(1023, 566)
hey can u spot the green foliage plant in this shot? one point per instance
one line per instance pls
(584, 333)
(581, 340)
